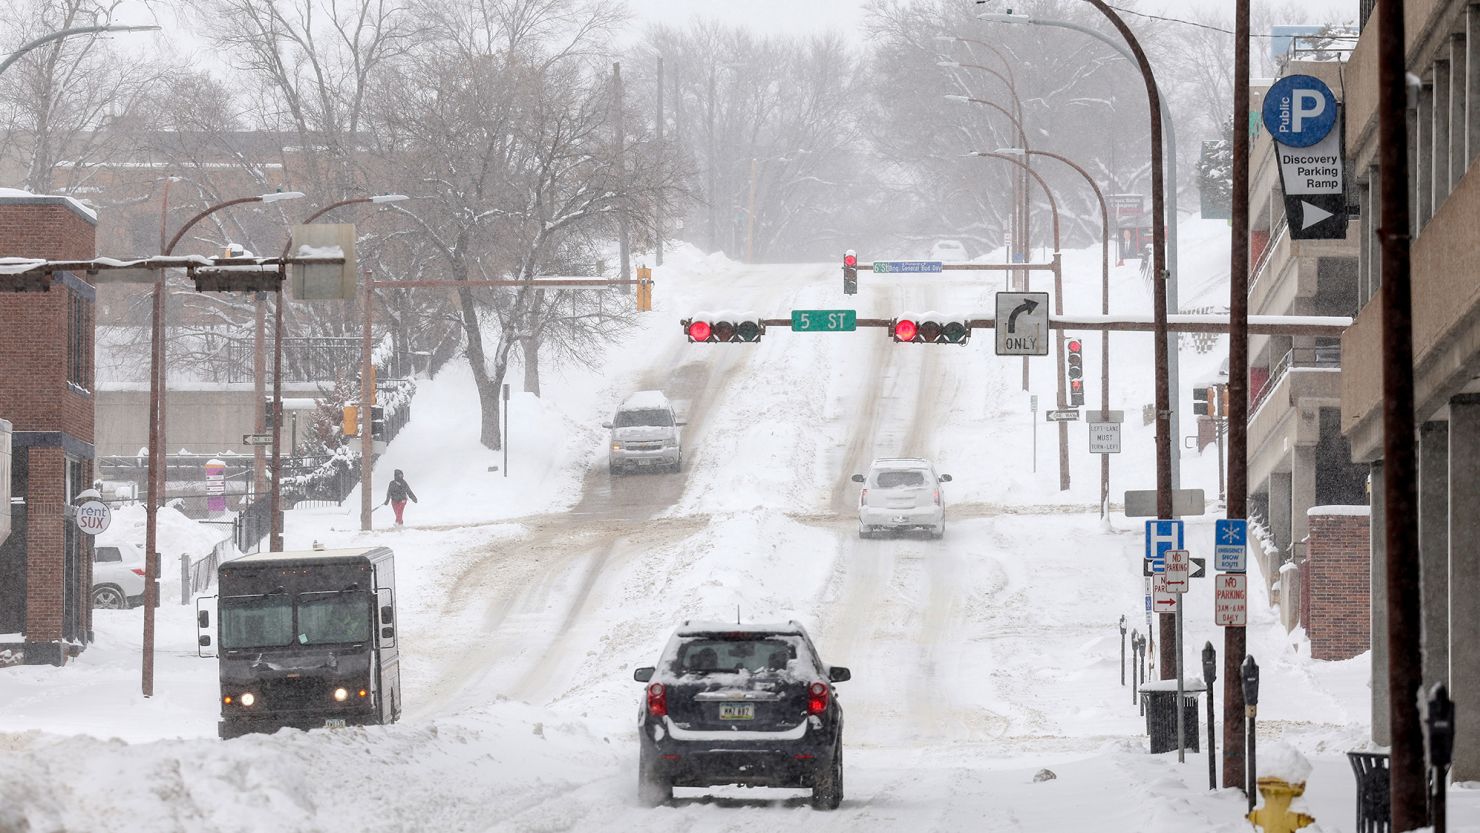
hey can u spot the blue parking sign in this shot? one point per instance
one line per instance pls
(1230, 545)
(1299, 110)
(1162, 535)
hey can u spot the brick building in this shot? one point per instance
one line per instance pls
(46, 392)
(1335, 586)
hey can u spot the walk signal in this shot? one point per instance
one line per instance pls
(1075, 372)
(269, 413)
(725, 330)
(929, 331)
(850, 272)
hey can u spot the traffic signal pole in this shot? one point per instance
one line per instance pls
(367, 399)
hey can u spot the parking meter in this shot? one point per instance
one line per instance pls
(1210, 664)
(1251, 685)
(1438, 725)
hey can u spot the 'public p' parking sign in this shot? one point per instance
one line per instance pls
(1299, 110)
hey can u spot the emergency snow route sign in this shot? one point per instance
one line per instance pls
(1162, 535)
(1301, 114)
(1230, 545)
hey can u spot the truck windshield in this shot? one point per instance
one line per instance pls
(652, 416)
(326, 618)
(256, 621)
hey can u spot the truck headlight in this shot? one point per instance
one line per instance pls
(616, 446)
(248, 699)
(340, 695)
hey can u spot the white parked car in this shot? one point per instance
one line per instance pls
(901, 494)
(118, 575)
(948, 251)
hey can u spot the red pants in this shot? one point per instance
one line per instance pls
(399, 506)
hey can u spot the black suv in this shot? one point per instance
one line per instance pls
(741, 704)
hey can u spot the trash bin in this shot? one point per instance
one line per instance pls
(1374, 810)
(1161, 716)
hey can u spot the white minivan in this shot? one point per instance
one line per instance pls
(644, 434)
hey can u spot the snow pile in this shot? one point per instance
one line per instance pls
(1283, 761)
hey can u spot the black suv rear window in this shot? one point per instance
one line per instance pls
(721, 655)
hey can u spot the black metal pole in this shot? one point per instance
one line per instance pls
(1122, 650)
(1159, 220)
(1210, 676)
(1234, 638)
(1400, 459)
(1249, 677)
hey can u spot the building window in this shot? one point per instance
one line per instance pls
(79, 342)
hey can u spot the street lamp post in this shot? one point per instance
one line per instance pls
(1058, 292)
(157, 475)
(72, 32)
(1169, 197)
(1104, 302)
(367, 391)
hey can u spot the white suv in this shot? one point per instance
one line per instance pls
(644, 434)
(901, 494)
(118, 575)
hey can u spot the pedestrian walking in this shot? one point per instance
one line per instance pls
(396, 494)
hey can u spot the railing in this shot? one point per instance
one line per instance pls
(197, 576)
(252, 524)
(324, 480)
(1366, 11)
(1324, 356)
(1275, 238)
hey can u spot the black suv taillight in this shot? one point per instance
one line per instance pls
(817, 694)
(657, 700)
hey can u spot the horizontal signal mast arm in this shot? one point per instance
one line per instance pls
(1292, 325)
(574, 283)
(969, 267)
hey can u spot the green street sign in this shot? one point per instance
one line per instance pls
(824, 320)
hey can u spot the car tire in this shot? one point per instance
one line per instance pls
(827, 791)
(864, 532)
(653, 788)
(109, 597)
(678, 464)
(613, 469)
(938, 532)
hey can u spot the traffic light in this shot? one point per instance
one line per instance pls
(850, 272)
(350, 421)
(1075, 372)
(928, 330)
(1202, 401)
(728, 329)
(269, 414)
(377, 422)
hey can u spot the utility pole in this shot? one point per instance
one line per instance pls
(658, 203)
(750, 215)
(259, 390)
(625, 242)
(709, 197)
(1400, 458)
(1238, 393)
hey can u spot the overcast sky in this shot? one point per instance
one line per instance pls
(790, 16)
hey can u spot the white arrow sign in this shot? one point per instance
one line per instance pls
(1310, 214)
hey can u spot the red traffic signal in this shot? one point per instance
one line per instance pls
(724, 330)
(904, 330)
(850, 259)
(932, 330)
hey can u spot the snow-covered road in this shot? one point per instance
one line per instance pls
(525, 603)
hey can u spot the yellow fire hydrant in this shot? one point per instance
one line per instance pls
(1275, 815)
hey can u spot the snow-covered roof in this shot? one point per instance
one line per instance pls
(645, 400)
(349, 552)
(18, 196)
(692, 628)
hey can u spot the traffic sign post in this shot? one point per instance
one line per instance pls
(1230, 545)
(824, 320)
(1021, 327)
(1231, 600)
(1066, 415)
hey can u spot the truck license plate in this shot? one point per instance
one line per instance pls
(736, 711)
(334, 723)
